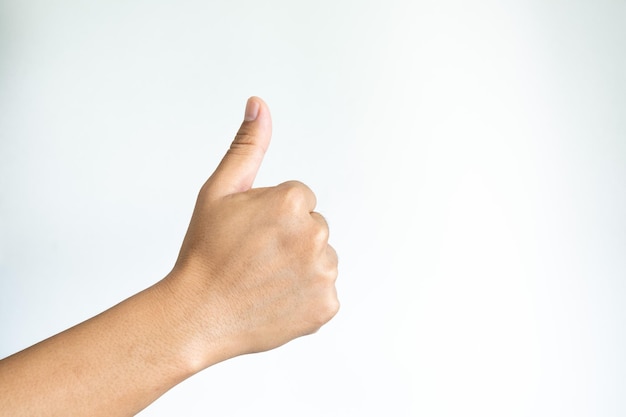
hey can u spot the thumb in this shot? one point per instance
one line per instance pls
(238, 168)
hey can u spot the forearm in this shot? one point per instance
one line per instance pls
(114, 364)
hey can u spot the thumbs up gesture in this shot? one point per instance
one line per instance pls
(255, 269)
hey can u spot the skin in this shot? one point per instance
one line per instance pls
(255, 271)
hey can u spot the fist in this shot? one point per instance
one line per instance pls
(255, 268)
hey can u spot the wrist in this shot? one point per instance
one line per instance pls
(195, 330)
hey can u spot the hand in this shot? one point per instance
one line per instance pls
(255, 269)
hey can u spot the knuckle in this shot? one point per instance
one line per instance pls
(319, 317)
(299, 193)
(291, 195)
(288, 186)
(244, 146)
(320, 235)
(322, 308)
(332, 253)
(326, 311)
(246, 143)
(327, 303)
(332, 273)
(334, 307)
(245, 135)
(293, 184)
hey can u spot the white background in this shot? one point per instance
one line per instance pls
(470, 158)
